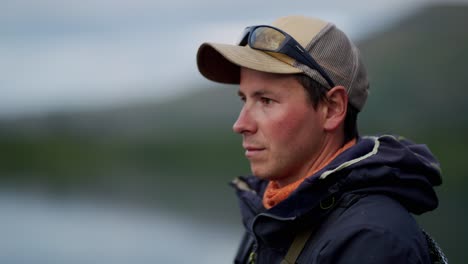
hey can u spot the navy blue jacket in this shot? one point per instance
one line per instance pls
(359, 205)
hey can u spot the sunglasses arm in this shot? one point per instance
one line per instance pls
(307, 60)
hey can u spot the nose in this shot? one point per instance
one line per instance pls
(245, 123)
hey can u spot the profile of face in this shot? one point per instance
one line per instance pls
(282, 132)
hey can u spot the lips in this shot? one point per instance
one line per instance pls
(252, 151)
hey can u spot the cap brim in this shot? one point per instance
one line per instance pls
(222, 62)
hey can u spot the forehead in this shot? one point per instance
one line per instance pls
(271, 82)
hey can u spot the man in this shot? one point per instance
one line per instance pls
(319, 193)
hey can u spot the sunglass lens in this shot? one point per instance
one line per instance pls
(266, 38)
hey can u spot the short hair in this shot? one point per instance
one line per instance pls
(317, 93)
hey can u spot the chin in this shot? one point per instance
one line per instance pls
(258, 173)
(263, 174)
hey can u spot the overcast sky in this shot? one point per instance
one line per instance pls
(70, 55)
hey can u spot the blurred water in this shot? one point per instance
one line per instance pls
(37, 229)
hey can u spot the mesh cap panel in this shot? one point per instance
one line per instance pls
(338, 56)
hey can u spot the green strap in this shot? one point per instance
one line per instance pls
(304, 235)
(297, 245)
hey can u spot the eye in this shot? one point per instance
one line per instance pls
(266, 100)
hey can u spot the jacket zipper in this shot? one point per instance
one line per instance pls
(253, 253)
(252, 259)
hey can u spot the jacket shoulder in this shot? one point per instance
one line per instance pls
(372, 228)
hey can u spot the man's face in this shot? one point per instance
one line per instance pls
(282, 132)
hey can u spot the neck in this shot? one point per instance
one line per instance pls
(275, 192)
(328, 150)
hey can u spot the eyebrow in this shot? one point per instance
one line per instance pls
(257, 93)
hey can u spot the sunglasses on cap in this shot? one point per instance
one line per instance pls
(268, 38)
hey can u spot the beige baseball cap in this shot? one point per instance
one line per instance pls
(327, 44)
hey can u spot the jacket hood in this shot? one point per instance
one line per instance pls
(387, 164)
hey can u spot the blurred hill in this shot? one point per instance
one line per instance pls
(196, 112)
(418, 72)
(181, 154)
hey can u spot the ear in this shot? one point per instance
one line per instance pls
(336, 107)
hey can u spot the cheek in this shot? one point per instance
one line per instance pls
(286, 128)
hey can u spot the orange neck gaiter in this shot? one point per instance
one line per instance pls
(275, 194)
